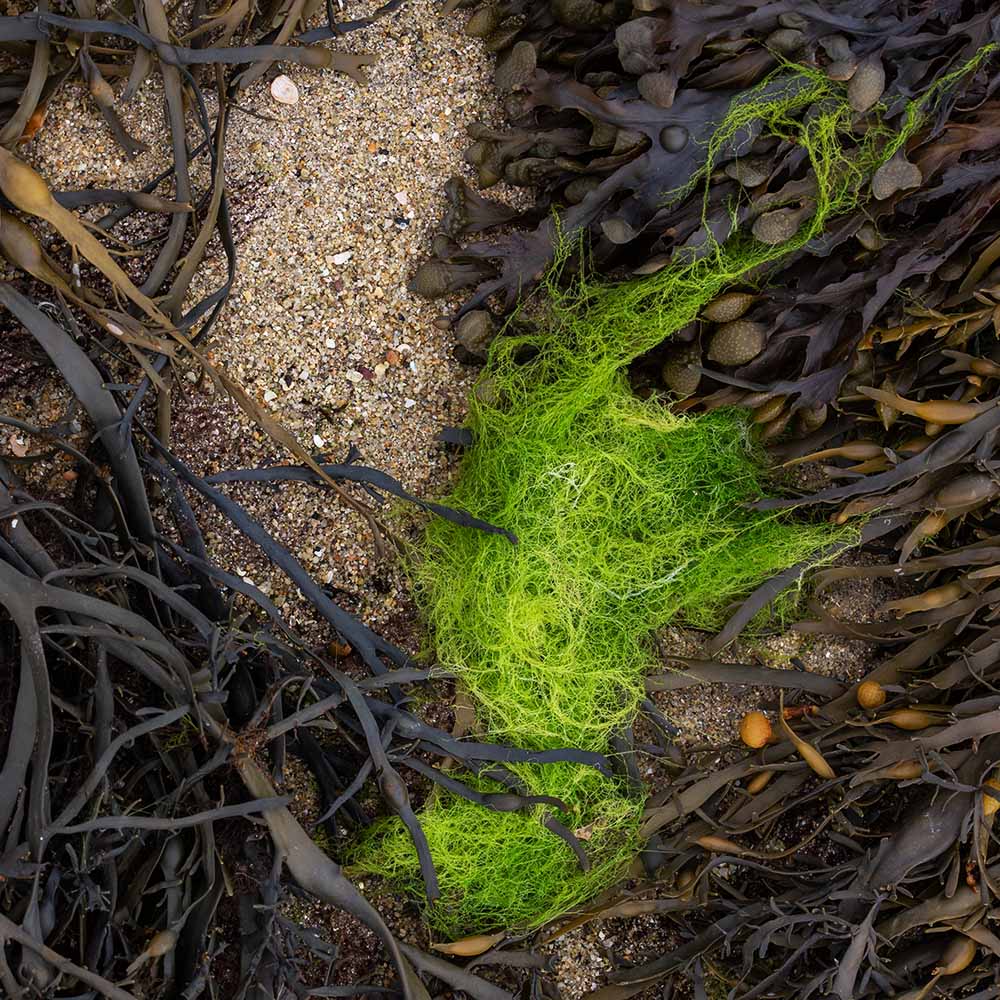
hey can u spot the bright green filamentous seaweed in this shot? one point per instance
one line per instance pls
(628, 517)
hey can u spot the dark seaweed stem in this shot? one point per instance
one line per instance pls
(853, 854)
(123, 821)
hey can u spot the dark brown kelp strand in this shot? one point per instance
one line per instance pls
(123, 627)
(853, 853)
(610, 110)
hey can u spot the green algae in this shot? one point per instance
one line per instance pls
(628, 517)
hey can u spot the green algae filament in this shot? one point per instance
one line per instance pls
(628, 517)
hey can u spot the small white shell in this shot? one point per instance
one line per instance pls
(284, 91)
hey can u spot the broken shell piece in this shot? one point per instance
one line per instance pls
(284, 91)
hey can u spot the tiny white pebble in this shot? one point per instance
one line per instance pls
(343, 257)
(318, 441)
(191, 376)
(353, 375)
(380, 369)
(330, 342)
(435, 137)
(405, 347)
(409, 403)
(304, 374)
(402, 197)
(269, 396)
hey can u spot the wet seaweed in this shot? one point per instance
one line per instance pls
(853, 852)
(128, 640)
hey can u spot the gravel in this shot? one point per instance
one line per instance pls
(709, 715)
(334, 200)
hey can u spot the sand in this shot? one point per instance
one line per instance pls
(334, 201)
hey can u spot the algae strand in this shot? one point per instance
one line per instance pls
(627, 517)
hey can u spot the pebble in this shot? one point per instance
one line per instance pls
(343, 257)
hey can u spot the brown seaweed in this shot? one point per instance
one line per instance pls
(149, 719)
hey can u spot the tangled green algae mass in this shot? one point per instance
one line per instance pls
(628, 517)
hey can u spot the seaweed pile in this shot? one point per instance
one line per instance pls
(612, 108)
(835, 274)
(811, 192)
(855, 853)
(152, 686)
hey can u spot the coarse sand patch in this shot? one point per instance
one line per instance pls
(333, 202)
